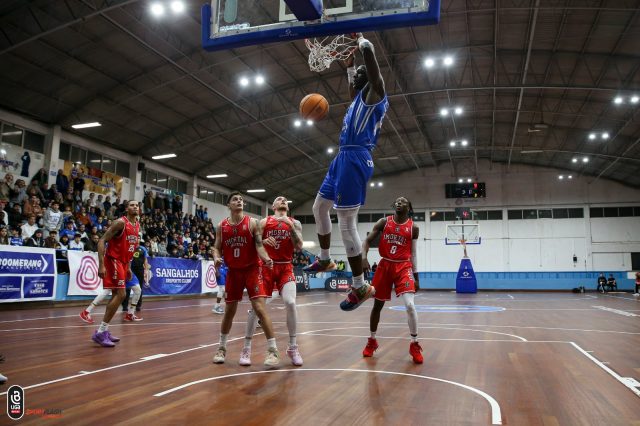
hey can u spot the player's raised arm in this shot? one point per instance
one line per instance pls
(373, 71)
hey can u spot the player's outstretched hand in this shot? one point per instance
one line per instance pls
(366, 268)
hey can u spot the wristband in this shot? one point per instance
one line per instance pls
(351, 74)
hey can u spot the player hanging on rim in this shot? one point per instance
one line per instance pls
(239, 240)
(345, 185)
(281, 236)
(115, 266)
(396, 268)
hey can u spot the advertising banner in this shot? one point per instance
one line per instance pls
(27, 273)
(175, 276)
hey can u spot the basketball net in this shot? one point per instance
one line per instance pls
(322, 52)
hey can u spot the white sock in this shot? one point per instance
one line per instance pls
(271, 343)
(414, 338)
(247, 342)
(325, 254)
(358, 281)
(99, 298)
(373, 334)
(104, 326)
(223, 340)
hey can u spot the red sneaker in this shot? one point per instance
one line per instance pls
(86, 317)
(131, 317)
(372, 345)
(414, 350)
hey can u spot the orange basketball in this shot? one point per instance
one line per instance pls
(314, 107)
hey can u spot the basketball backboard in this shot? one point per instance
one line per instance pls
(457, 234)
(228, 24)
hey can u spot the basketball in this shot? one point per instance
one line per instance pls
(314, 107)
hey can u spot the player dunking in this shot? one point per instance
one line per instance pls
(397, 268)
(115, 266)
(240, 239)
(281, 235)
(345, 185)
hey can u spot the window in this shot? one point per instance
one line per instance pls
(545, 214)
(94, 160)
(560, 214)
(635, 261)
(529, 214)
(78, 155)
(11, 135)
(610, 212)
(494, 215)
(437, 217)
(34, 142)
(65, 151)
(364, 217)
(514, 214)
(596, 212)
(109, 165)
(376, 216)
(122, 168)
(418, 217)
(625, 211)
(449, 216)
(636, 211)
(480, 215)
(576, 213)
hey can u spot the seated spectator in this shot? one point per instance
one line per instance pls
(611, 283)
(4, 215)
(67, 214)
(92, 216)
(91, 201)
(76, 244)
(19, 193)
(82, 230)
(64, 245)
(92, 243)
(82, 217)
(52, 240)
(29, 228)
(4, 236)
(16, 239)
(36, 239)
(15, 216)
(162, 248)
(53, 218)
(69, 230)
(602, 282)
(5, 187)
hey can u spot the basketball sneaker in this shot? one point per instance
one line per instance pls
(636, 294)
(245, 357)
(414, 350)
(356, 296)
(321, 266)
(113, 338)
(131, 317)
(103, 339)
(86, 317)
(218, 310)
(220, 355)
(294, 354)
(272, 358)
(372, 346)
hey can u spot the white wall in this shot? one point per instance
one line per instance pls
(511, 245)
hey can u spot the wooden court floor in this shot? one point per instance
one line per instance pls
(537, 359)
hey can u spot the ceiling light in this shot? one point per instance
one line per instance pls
(635, 99)
(531, 151)
(157, 9)
(163, 156)
(570, 177)
(244, 82)
(458, 110)
(592, 136)
(379, 184)
(289, 201)
(372, 184)
(464, 143)
(574, 160)
(221, 175)
(259, 80)
(468, 180)
(605, 135)
(429, 62)
(618, 100)
(297, 123)
(309, 122)
(448, 61)
(3, 151)
(452, 143)
(560, 177)
(177, 6)
(86, 125)
(460, 180)
(585, 159)
(256, 190)
(329, 150)
(444, 112)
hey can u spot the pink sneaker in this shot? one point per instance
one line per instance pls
(86, 317)
(294, 354)
(245, 357)
(321, 266)
(356, 296)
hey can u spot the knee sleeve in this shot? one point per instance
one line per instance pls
(321, 208)
(348, 223)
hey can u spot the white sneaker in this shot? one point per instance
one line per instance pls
(220, 355)
(273, 358)
(636, 294)
(218, 310)
(294, 354)
(245, 357)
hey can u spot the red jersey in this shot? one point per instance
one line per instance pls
(395, 242)
(123, 246)
(283, 251)
(238, 245)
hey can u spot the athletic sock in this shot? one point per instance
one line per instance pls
(414, 338)
(271, 343)
(358, 281)
(373, 334)
(104, 326)
(247, 342)
(223, 340)
(292, 340)
(325, 255)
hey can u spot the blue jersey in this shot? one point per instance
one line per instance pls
(362, 122)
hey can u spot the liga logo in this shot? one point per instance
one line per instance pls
(210, 277)
(87, 276)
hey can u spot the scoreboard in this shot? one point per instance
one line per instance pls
(465, 190)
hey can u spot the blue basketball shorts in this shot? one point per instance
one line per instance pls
(347, 178)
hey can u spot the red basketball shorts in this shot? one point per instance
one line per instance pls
(393, 274)
(116, 273)
(276, 278)
(240, 278)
